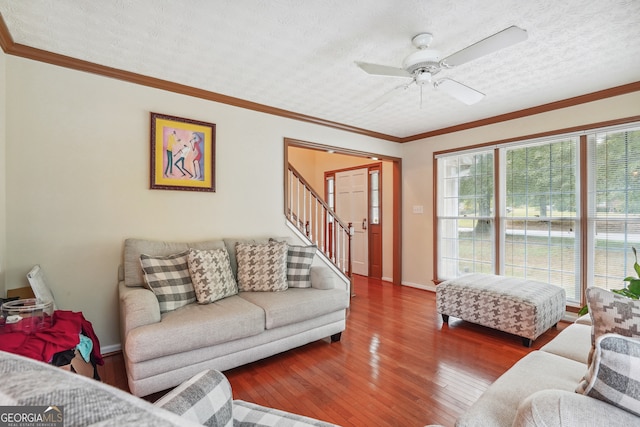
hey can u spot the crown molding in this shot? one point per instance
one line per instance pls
(11, 48)
(556, 105)
(20, 50)
(6, 41)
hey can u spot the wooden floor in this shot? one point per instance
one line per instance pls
(396, 365)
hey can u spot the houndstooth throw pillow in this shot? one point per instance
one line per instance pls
(613, 376)
(211, 275)
(612, 313)
(262, 266)
(299, 260)
(169, 279)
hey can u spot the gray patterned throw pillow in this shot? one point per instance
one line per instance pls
(262, 266)
(613, 375)
(299, 260)
(205, 399)
(169, 279)
(211, 275)
(612, 313)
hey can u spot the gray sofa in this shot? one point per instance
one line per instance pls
(76, 400)
(163, 350)
(539, 390)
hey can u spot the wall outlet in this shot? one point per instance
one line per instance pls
(418, 209)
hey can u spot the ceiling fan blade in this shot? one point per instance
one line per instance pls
(387, 96)
(382, 70)
(504, 38)
(459, 91)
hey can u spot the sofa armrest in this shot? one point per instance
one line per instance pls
(561, 407)
(205, 398)
(584, 320)
(138, 307)
(322, 277)
(246, 413)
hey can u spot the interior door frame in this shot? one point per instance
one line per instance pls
(396, 220)
(377, 166)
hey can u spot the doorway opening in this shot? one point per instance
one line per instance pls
(374, 179)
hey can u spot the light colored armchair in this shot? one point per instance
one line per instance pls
(205, 399)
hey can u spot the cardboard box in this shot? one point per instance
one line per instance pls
(22, 293)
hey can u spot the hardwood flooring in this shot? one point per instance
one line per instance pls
(396, 365)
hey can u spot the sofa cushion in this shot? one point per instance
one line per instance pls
(585, 319)
(536, 371)
(195, 326)
(133, 248)
(296, 305)
(573, 342)
(613, 376)
(322, 277)
(612, 313)
(211, 275)
(548, 408)
(262, 266)
(205, 399)
(169, 279)
(299, 260)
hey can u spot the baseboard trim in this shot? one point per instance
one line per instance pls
(429, 287)
(113, 348)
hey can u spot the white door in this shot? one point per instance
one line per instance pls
(352, 207)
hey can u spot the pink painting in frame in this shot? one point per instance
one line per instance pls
(182, 154)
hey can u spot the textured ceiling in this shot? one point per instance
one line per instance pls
(299, 55)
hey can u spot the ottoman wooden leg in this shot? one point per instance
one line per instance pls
(445, 318)
(527, 342)
(336, 337)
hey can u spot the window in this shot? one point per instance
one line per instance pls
(614, 205)
(330, 194)
(465, 214)
(538, 216)
(540, 220)
(374, 196)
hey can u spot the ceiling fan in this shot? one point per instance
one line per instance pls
(421, 66)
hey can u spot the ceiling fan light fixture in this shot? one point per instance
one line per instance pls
(424, 58)
(423, 77)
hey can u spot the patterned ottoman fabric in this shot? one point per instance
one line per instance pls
(522, 307)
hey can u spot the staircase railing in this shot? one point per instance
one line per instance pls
(313, 217)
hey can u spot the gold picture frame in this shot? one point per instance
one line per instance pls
(182, 154)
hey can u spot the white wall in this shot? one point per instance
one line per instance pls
(418, 234)
(3, 194)
(78, 179)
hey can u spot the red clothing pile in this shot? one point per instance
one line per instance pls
(63, 335)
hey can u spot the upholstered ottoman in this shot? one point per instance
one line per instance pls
(522, 307)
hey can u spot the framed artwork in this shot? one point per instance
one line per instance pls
(182, 154)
